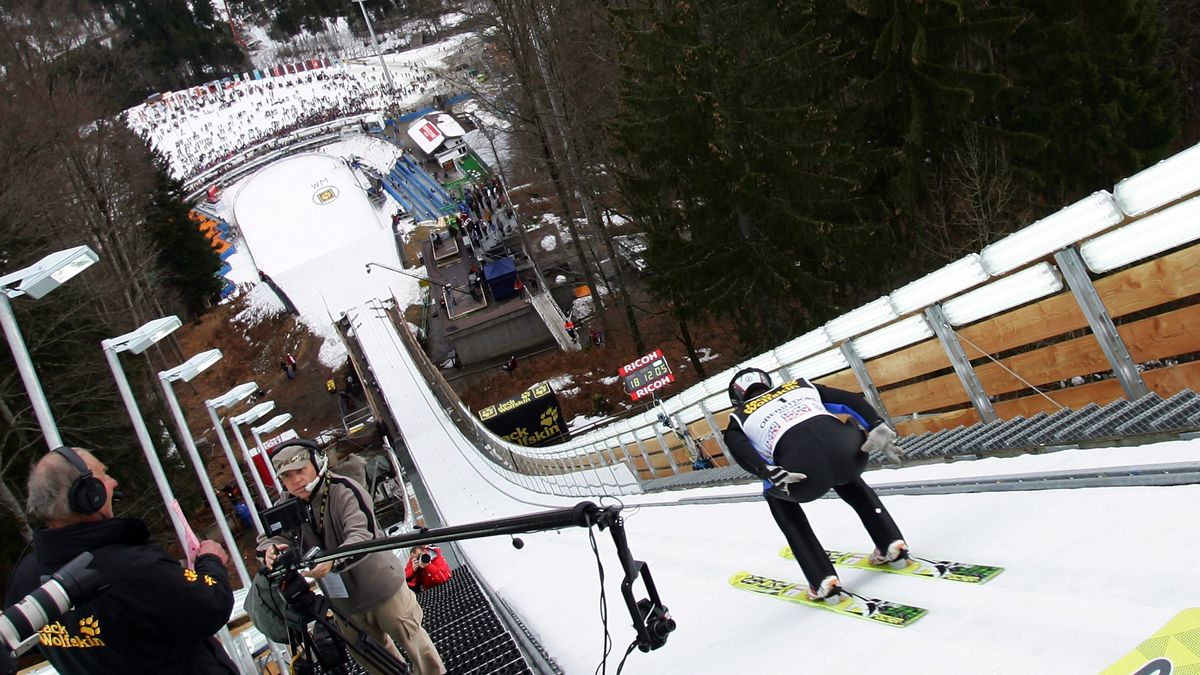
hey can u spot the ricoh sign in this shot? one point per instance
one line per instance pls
(646, 375)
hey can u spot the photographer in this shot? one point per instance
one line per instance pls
(370, 590)
(426, 568)
(155, 617)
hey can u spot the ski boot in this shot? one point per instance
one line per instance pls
(896, 556)
(830, 591)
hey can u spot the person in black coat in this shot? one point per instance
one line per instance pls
(788, 436)
(156, 616)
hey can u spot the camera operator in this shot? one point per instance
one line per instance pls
(155, 617)
(369, 589)
(426, 568)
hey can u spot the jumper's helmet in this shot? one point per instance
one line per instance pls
(748, 383)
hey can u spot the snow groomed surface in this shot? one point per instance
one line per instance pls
(299, 208)
(1090, 573)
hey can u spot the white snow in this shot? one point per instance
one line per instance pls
(379, 154)
(548, 243)
(308, 224)
(297, 208)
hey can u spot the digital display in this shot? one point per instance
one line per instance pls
(646, 375)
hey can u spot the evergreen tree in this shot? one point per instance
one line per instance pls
(184, 41)
(743, 173)
(187, 261)
(923, 80)
(1091, 81)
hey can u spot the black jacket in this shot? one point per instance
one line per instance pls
(155, 617)
(831, 400)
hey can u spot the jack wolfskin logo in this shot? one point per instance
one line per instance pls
(89, 626)
(57, 635)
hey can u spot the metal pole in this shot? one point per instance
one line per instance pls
(143, 435)
(190, 446)
(262, 489)
(962, 365)
(387, 74)
(399, 473)
(270, 467)
(1101, 323)
(233, 466)
(41, 408)
(642, 449)
(864, 380)
(662, 444)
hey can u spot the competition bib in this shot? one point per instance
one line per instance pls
(766, 418)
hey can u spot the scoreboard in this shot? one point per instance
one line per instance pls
(646, 374)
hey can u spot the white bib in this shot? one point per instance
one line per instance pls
(773, 413)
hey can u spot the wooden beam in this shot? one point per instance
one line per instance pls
(1158, 281)
(843, 379)
(1173, 333)
(910, 362)
(1167, 382)
(947, 420)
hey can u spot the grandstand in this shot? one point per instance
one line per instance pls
(218, 232)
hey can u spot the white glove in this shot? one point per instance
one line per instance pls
(782, 478)
(883, 439)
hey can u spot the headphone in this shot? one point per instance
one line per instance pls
(87, 494)
(315, 455)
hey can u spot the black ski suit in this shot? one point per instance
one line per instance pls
(793, 427)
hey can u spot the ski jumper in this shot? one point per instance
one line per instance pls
(793, 426)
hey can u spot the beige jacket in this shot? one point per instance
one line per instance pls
(348, 519)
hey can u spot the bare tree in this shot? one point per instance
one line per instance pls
(972, 199)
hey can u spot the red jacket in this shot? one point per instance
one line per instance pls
(436, 572)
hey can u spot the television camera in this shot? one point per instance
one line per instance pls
(651, 619)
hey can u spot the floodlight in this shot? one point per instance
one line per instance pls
(254, 413)
(138, 341)
(272, 424)
(192, 367)
(1003, 294)
(232, 396)
(954, 278)
(1153, 234)
(1173, 178)
(861, 320)
(48, 273)
(1056, 231)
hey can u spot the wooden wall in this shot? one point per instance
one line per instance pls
(1046, 343)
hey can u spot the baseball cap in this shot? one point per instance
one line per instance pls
(290, 458)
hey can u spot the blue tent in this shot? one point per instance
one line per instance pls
(501, 276)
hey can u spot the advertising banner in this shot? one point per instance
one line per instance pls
(531, 418)
(646, 374)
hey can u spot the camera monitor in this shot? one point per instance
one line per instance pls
(282, 518)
